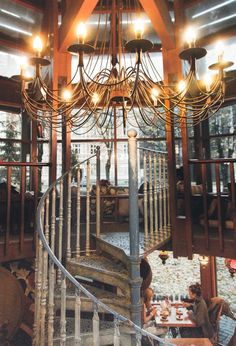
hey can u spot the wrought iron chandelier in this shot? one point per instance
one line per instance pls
(108, 76)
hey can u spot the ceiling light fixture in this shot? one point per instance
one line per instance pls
(217, 21)
(14, 28)
(213, 8)
(10, 13)
(112, 79)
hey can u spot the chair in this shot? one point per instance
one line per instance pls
(215, 311)
(217, 308)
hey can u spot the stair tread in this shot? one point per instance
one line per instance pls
(97, 292)
(101, 264)
(121, 240)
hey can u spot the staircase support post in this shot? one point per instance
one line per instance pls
(135, 280)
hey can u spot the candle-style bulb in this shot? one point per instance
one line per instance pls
(81, 32)
(220, 50)
(95, 98)
(181, 86)
(208, 81)
(38, 45)
(190, 36)
(66, 95)
(154, 95)
(139, 28)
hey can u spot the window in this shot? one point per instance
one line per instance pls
(92, 149)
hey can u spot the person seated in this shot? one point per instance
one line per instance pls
(198, 314)
(149, 314)
(146, 274)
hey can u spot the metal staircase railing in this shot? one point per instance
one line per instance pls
(62, 238)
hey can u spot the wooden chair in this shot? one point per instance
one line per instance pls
(215, 312)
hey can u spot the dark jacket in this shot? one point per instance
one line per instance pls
(201, 318)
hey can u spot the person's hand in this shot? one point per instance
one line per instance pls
(186, 305)
(190, 314)
(154, 312)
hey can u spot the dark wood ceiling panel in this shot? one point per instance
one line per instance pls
(159, 15)
(79, 10)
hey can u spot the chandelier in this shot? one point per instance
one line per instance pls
(117, 71)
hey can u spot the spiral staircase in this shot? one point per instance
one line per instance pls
(87, 280)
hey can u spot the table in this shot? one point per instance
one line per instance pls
(190, 342)
(172, 321)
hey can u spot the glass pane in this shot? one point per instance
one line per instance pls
(223, 147)
(226, 284)
(182, 271)
(224, 122)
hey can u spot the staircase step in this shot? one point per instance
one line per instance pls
(101, 269)
(117, 244)
(118, 303)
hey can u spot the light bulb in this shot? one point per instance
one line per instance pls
(181, 86)
(208, 81)
(139, 28)
(38, 45)
(204, 260)
(66, 95)
(43, 93)
(95, 98)
(220, 50)
(154, 95)
(81, 32)
(23, 62)
(23, 65)
(26, 74)
(190, 36)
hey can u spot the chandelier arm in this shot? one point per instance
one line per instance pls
(95, 121)
(159, 114)
(135, 81)
(147, 61)
(107, 85)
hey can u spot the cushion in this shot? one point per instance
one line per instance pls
(196, 189)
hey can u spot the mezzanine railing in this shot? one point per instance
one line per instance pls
(217, 196)
(19, 193)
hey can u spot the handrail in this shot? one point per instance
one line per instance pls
(25, 164)
(65, 272)
(153, 150)
(219, 160)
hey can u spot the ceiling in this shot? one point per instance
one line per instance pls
(20, 19)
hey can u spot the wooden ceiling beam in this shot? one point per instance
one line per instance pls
(14, 46)
(77, 11)
(29, 5)
(158, 12)
(191, 3)
(221, 35)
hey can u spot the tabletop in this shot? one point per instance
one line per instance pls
(190, 342)
(174, 320)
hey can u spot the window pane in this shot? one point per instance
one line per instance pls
(226, 285)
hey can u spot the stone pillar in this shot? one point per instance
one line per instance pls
(135, 280)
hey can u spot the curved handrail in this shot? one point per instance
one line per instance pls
(153, 150)
(67, 274)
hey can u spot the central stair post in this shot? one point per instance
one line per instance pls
(135, 280)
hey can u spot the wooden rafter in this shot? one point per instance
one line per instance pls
(77, 11)
(157, 11)
(30, 5)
